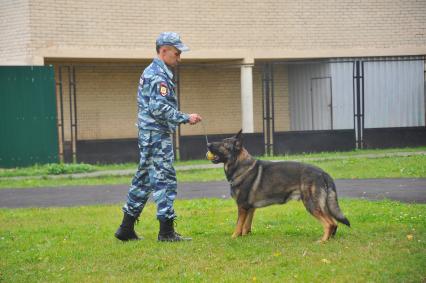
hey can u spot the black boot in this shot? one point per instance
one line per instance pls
(167, 232)
(126, 231)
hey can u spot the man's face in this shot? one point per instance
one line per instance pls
(170, 55)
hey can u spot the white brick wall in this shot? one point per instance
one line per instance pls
(71, 30)
(106, 100)
(281, 103)
(214, 93)
(14, 32)
(107, 109)
(256, 28)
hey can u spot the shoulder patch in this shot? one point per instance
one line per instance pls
(163, 89)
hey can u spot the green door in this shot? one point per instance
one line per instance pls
(28, 132)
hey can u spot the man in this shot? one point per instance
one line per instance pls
(158, 117)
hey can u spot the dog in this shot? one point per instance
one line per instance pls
(258, 183)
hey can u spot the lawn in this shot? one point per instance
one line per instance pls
(347, 168)
(387, 243)
(69, 168)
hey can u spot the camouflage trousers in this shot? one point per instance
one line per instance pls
(155, 175)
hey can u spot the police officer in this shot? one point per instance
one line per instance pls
(158, 117)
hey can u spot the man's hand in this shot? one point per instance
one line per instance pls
(194, 118)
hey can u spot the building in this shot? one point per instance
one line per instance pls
(294, 75)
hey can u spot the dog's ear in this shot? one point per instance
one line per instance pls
(239, 134)
(239, 140)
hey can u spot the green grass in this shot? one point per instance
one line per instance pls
(387, 243)
(388, 167)
(353, 153)
(348, 168)
(60, 169)
(57, 169)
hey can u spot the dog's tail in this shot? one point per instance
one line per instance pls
(332, 203)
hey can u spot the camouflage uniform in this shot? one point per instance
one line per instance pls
(158, 117)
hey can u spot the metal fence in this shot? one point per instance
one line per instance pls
(301, 106)
(340, 104)
(28, 116)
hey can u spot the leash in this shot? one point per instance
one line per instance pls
(203, 123)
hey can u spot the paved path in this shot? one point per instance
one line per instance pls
(405, 190)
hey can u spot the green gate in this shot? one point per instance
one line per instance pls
(28, 132)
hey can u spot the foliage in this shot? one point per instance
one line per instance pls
(61, 168)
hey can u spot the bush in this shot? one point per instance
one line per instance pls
(61, 168)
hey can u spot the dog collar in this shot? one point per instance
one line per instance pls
(239, 179)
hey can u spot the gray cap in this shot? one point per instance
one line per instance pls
(171, 39)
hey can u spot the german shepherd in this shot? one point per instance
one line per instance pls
(257, 183)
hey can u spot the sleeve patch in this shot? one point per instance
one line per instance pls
(163, 89)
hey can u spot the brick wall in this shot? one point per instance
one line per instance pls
(260, 29)
(281, 103)
(106, 99)
(14, 32)
(214, 93)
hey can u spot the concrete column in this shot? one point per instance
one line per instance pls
(247, 96)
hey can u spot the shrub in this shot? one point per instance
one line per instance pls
(62, 168)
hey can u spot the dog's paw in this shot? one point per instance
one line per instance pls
(235, 235)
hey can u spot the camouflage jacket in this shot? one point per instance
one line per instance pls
(157, 102)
